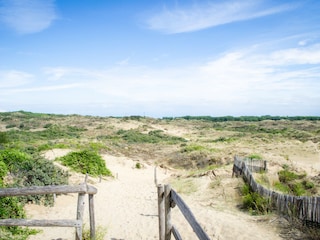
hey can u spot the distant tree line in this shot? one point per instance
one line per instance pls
(246, 118)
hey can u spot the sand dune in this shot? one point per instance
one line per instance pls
(127, 207)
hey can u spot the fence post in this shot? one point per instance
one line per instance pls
(155, 176)
(92, 218)
(167, 195)
(80, 208)
(161, 212)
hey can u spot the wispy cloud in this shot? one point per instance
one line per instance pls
(288, 76)
(206, 15)
(246, 81)
(27, 16)
(46, 88)
(14, 78)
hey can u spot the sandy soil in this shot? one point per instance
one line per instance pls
(127, 206)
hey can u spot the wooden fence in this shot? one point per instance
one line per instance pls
(304, 208)
(81, 189)
(167, 199)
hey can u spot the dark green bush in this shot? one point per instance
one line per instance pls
(34, 170)
(86, 161)
(3, 138)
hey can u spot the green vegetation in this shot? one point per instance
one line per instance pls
(294, 183)
(25, 171)
(86, 162)
(212, 142)
(249, 118)
(253, 202)
(100, 233)
(31, 170)
(255, 156)
(156, 136)
(138, 165)
(11, 208)
(3, 138)
(50, 133)
(191, 148)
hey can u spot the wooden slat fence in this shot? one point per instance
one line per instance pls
(167, 199)
(304, 208)
(81, 189)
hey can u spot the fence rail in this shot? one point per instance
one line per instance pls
(304, 208)
(81, 189)
(167, 199)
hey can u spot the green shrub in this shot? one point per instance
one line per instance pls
(100, 233)
(11, 208)
(281, 187)
(3, 138)
(11, 125)
(191, 148)
(13, 158)
(294, 183)
(253, 202)
(86, 161)
(33, 170)
(156, 136)
(138, 165)
(286, 176)
(255, 156)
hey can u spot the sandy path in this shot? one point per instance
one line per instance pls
(127, 207)
(129, 202)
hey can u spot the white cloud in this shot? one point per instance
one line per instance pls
(27, 16)
(283, 77)
(211, 14)
(14, 78)
(46, 88)
(234, 77)
(247, 81)
(305, 55)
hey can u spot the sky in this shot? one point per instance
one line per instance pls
(164, 58)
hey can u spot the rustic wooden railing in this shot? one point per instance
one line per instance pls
(307, 209)
(81, 189)
(167, 199)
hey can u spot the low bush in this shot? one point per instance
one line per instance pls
(253, 202)
(100, 233)
(255, 156)
(286, 176)
(156, 136)
(27, 170)
(191, 148)
(86, 162)
(291, 182)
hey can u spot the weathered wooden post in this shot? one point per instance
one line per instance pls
(92, 219)
(80, 208)
(167, 196)
(155, 176)
(161, 212)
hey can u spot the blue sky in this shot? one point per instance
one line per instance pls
(160, 58)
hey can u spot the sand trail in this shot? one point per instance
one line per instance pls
(127, 207)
